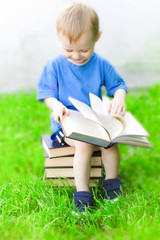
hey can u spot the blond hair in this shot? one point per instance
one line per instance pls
(77, 19)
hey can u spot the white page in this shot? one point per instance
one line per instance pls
(127, 125)
(113, 126)
(99, 106)
(85, 110)
(75, 122)
(133, 127)
(106, 102)
(96, 104)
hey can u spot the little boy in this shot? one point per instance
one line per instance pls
(78, 71)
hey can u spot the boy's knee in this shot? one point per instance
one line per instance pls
(80, 146)
(114, 148)
(84, 147)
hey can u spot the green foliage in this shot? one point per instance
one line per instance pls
(31, 209)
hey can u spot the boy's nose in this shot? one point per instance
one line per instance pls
(76, 55)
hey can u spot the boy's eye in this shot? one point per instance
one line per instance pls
(69, 50)
(84, 51)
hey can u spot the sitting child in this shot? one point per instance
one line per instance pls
(76, 72)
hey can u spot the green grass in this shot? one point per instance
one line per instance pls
(31, 209)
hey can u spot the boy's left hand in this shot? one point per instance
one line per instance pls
(117, 105)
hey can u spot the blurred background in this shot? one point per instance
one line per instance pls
(28, 205)
(130, 39)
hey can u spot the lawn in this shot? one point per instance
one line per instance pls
(31, 209)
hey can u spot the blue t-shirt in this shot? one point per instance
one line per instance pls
(61, 79)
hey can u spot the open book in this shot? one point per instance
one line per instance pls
(96, 126)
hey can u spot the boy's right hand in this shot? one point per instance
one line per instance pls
(59, 112)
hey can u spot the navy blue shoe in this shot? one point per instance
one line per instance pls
(112, 189)
(81, 202)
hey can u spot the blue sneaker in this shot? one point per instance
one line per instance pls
(81, 202)
(112, 189)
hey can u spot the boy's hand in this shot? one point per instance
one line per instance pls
(117, 105)
(59, 112)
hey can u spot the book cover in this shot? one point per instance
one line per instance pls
(55, 149)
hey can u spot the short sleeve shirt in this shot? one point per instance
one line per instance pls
(61, 79)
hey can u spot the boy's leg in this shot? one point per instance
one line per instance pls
(111, 184)
(111, 160)
(82, 163)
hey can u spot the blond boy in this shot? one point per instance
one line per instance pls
(76, 72)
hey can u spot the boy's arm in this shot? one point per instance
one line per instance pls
(117, 105)
(59, 110)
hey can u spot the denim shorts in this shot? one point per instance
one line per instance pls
(58, 137)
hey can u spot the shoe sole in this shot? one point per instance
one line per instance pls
(80, 214)
(115, 199)
(112, 200)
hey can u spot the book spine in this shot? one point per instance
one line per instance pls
(69, 173)
(67, 162)
(71, 182)
(64, 167)
(65, 178)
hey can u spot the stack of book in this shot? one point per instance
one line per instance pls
(59, 163)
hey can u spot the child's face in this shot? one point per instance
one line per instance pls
(78, 52)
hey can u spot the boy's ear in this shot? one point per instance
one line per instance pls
(98, 37)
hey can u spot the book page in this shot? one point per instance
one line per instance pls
(106, 102)
(99, 106)
(131, 138)
(85, 110)
(133, 127)
(75, 122)
(114, 124)
(136, 143)
(96, 104)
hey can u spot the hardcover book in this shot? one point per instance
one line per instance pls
(96, 126)
(70, 182)
(55, 149)
(69, 173)
(67, 161)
